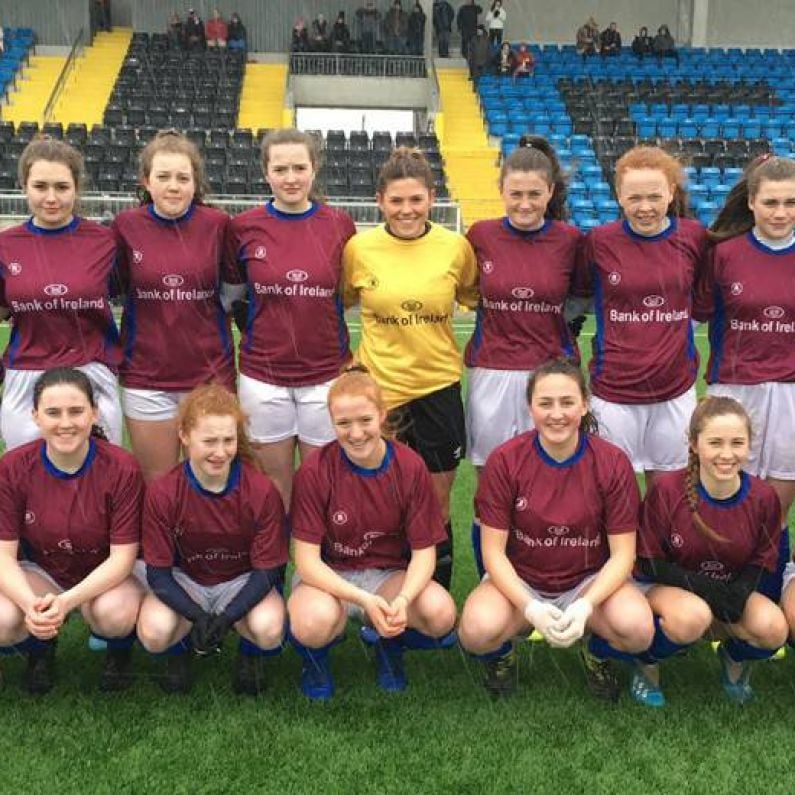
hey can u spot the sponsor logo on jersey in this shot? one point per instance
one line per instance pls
(339, 517)
(558, 530)
(736, 288)
(14, 268)
(173, 280)
(487, 266)
(677, 542)
(30, 517)
(55, 290)
(711, 566)
(653, 301)
(412, 305)
(774, 312)
(522, 292)
(297, 275)
(260, 252)
(614, 277)
(65, 544)
(137, 256)
(520, 504)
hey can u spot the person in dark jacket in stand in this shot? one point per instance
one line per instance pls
(416, 34)
(641, 44)
(368, 16)
(479, 54)
(467, 23)
(194, 32)
(443, 16)
(610, 41)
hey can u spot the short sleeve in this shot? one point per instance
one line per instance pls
(494, 500)
(704, 291)
(127, 500)
(269, 548)
(581, 281)
(467, 287)
(12, 504)
(308, 505)
(122, 266)
(424, 523)
(158, 538)
(230, 270)
(766, 552)
(350, 292)
(621, 497)
(655, 525)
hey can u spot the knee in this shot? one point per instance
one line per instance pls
(770, 631)
(12, 621)
(687, 626)
(265, 626)
(478, 632)
(315, 624)
(156, 630)
(436, 611)
(113, 614)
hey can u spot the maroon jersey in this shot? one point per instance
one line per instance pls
(558, 514)
(66, 522)
(525, 278)
(296, 333)
(56, 284)
(214, 537)
(175, 334)
(644, 351)
(748, 296)
(750, 521)
(366, 518)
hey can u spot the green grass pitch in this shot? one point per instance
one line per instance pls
(443, 735)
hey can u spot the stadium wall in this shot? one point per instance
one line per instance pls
(739, 23)
(56, 22)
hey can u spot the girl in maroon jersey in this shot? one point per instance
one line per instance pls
(365, 525)
(748, 296)
(175, 331)
(214, 547)
(643, 270)
(69, 531)
(55, 272)
(295, 339)
(559, 512)
(707, 549)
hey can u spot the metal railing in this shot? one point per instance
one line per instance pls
(60, 84)
(358, 65)
(104, 206)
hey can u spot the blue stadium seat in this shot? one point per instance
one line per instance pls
(687, 128)
(646, 127)
(731, 175)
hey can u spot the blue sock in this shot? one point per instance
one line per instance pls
(499, 652)
(415, 640)
(249, 649)
(476, 548)
(30, 644)
(180, 647)
(126, 642)
(316, 656)
(662, 647)
(600, 648)
(741, 651)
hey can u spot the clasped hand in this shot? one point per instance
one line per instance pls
(560, 628)
(388, 618)
(46, 615)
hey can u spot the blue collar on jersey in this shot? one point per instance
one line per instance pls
(728, 502)
(59, 473)
(757, 243)
(371, 473)
(283, 216)
(672, 227)
(526, 234)
(170, 221)
(231, 483)
(60, 230)
(582, 445)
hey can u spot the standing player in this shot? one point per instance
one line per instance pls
(559, 508)
(407, 276)
(748, 296)
(175, 333)
(55, 271)
(214, 545)
(643, 270)
(526, 264)
(295, 339)
(70, 524)
(709, 539)
(365, 525)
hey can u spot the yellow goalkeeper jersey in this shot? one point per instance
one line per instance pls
(408, 291)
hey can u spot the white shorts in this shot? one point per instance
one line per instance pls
(496, 410)
(789, 576)
(369, 580)
(150, 405)
(34, 568)
(562, 599)
(771, 407)
(16, 418)
(276, 413)
(653, 435)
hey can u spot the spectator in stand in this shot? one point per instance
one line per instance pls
(505, 60)
(395, 29)
(588, 38)
(368, 16)
(217, 31)
(176, 32)
(237, 33)
(416, 29)
(467, 23)
(340, 34)
(524, 61)
(320, 37)
(610, 41)
(443, 16)
(663, 45)
(102, 10)
(642, 44)
(479, 54)
(300, 40)
(495, 21)
(194, 32)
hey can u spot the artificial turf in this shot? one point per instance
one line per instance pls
(443, 735)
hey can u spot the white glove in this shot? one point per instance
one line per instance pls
(542, 615)
(571, 626)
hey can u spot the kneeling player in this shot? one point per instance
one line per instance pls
(559, 511)
(365, 522)
(214, 545)
(709, 545)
